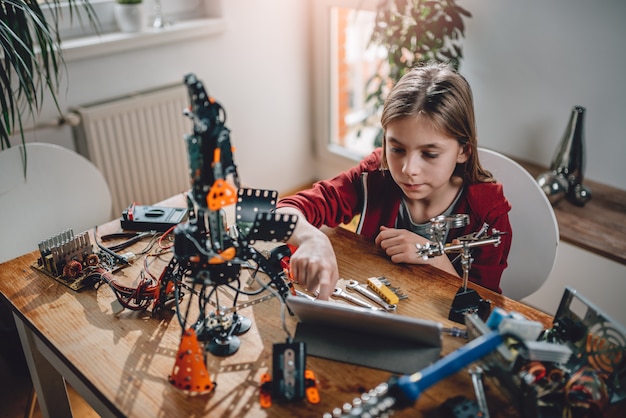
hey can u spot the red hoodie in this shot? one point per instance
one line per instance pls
(372, 193)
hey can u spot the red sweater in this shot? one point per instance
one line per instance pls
(372, 193)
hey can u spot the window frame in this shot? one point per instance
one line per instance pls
(79, 40)
(78, 26)
(331, 158)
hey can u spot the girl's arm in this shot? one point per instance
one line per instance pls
(400, 246)
(313, 264)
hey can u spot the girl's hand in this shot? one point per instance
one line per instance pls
(399, 245)
(314, 264)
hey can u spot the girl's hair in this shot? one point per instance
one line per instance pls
(445, 97)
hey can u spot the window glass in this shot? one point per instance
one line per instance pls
(76, 24)
(353, 126)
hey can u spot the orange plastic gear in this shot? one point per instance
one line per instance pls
(221, 194)
(266, 391)
(312, 393)
(225, 256)
(190, 373)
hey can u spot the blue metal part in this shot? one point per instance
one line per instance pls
(413, 385)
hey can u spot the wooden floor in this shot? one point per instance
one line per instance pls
(15, 384)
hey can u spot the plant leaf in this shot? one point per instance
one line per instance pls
(31, 59)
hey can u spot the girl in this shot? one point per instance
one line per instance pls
(427, 166)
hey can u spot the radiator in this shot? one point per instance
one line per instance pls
(137, 142)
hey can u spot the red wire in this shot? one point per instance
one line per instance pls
(166, 233)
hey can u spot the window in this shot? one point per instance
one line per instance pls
(355, 62)
(345, 62)
(186, 20)
(77, 25)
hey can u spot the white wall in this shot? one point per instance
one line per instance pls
(258, 70)
(600, 280)
(530, 61)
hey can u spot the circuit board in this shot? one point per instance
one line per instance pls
(71, 260)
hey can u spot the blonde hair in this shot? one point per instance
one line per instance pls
(444, 96)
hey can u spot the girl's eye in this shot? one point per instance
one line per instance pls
(430, 155)
(396, 150)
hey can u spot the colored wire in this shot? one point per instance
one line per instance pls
(113, 254)
(166, 234)
(586, 389)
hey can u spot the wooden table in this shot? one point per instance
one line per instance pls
(120, 364)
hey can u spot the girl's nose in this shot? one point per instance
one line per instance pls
(411, 166)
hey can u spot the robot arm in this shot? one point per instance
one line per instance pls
(209, 148)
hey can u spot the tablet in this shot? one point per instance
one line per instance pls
(362, 336)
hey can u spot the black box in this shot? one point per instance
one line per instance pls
(288, 366)
(151, 218)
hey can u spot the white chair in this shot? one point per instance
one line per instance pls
(535, 228)
(61, 190)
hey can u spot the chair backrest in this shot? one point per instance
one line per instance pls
(535, 229)
(61, 190)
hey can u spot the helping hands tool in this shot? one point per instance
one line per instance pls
(466, 300)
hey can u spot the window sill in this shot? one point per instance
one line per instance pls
(115, 42)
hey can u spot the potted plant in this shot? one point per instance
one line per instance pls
(129, 15)
(411, 32)
(31, 59)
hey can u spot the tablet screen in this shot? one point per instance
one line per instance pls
(362, 336)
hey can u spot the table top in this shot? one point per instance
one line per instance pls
(127, 358)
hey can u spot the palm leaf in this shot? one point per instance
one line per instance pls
(31, 61)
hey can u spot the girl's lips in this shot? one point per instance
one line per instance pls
(412, 186)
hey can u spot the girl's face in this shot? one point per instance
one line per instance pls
(422, 160)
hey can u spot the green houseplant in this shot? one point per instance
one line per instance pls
(411, 32)
(31, 57)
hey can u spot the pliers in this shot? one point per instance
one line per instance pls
(131, 238)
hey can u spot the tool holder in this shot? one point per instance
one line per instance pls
(466, 300)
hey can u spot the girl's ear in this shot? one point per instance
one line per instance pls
(464, 154)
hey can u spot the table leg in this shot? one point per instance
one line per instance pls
(48, 382)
